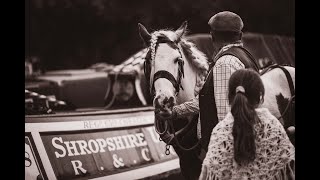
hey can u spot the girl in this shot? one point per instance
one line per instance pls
(250, 143)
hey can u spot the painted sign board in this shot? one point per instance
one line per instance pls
(110, 145)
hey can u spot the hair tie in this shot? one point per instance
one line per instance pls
(240, 89)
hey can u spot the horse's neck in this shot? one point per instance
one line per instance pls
(188, 83)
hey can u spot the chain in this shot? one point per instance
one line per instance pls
(167, 149)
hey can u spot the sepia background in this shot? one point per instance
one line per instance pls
(84, 78)
(72, 34)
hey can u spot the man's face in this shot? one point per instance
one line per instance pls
(123, 90)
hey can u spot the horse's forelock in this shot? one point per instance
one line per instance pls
(164, 33)
(155, 37)
(196, 58)
(168, 33)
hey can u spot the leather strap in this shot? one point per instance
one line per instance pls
(286, 72)
(168, 76)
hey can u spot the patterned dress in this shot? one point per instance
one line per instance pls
(275, 154)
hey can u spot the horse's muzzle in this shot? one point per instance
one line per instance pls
(163, 106)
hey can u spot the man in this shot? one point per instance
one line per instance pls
(212, 101)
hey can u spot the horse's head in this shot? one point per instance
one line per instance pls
(166, 66)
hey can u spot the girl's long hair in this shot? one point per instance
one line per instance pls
(243, 106)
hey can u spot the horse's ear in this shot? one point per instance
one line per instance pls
(144, 34)
(181, 30)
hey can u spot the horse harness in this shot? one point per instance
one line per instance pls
(291, 102)
(165, 128)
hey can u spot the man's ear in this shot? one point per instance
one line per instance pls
(212, 36)
(144, 34)
(240, 35)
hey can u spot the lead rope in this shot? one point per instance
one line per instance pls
(177, 142)
(157, 127)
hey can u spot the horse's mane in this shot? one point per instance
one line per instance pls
(196, 58)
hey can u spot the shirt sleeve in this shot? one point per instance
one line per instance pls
(224, 67)
(187, 108)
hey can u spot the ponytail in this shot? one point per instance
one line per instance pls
(243, 129)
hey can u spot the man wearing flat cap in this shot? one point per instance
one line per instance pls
(226, 33)
(212, 103)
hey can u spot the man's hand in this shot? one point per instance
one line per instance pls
(174, 114)
(291, 130)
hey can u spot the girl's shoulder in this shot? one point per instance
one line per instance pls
(228, 119)
(263, 111)
(265, 115)
(225, 125)
(269, 121)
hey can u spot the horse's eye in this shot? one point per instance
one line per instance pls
(177, 60)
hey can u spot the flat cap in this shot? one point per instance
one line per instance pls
(226, 21)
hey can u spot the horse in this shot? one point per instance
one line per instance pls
(175, 84)
(176, 71)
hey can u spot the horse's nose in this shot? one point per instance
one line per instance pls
(164, 103)
(170, 102)
(157, 104)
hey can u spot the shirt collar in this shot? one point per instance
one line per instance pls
(226, 47)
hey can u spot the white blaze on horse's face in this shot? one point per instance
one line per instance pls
(165, 59)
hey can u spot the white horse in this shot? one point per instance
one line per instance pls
(176, 71)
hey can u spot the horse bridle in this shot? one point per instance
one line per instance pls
(168, 124)
(163, 73)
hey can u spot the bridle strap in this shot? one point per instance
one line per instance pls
(168, 76)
